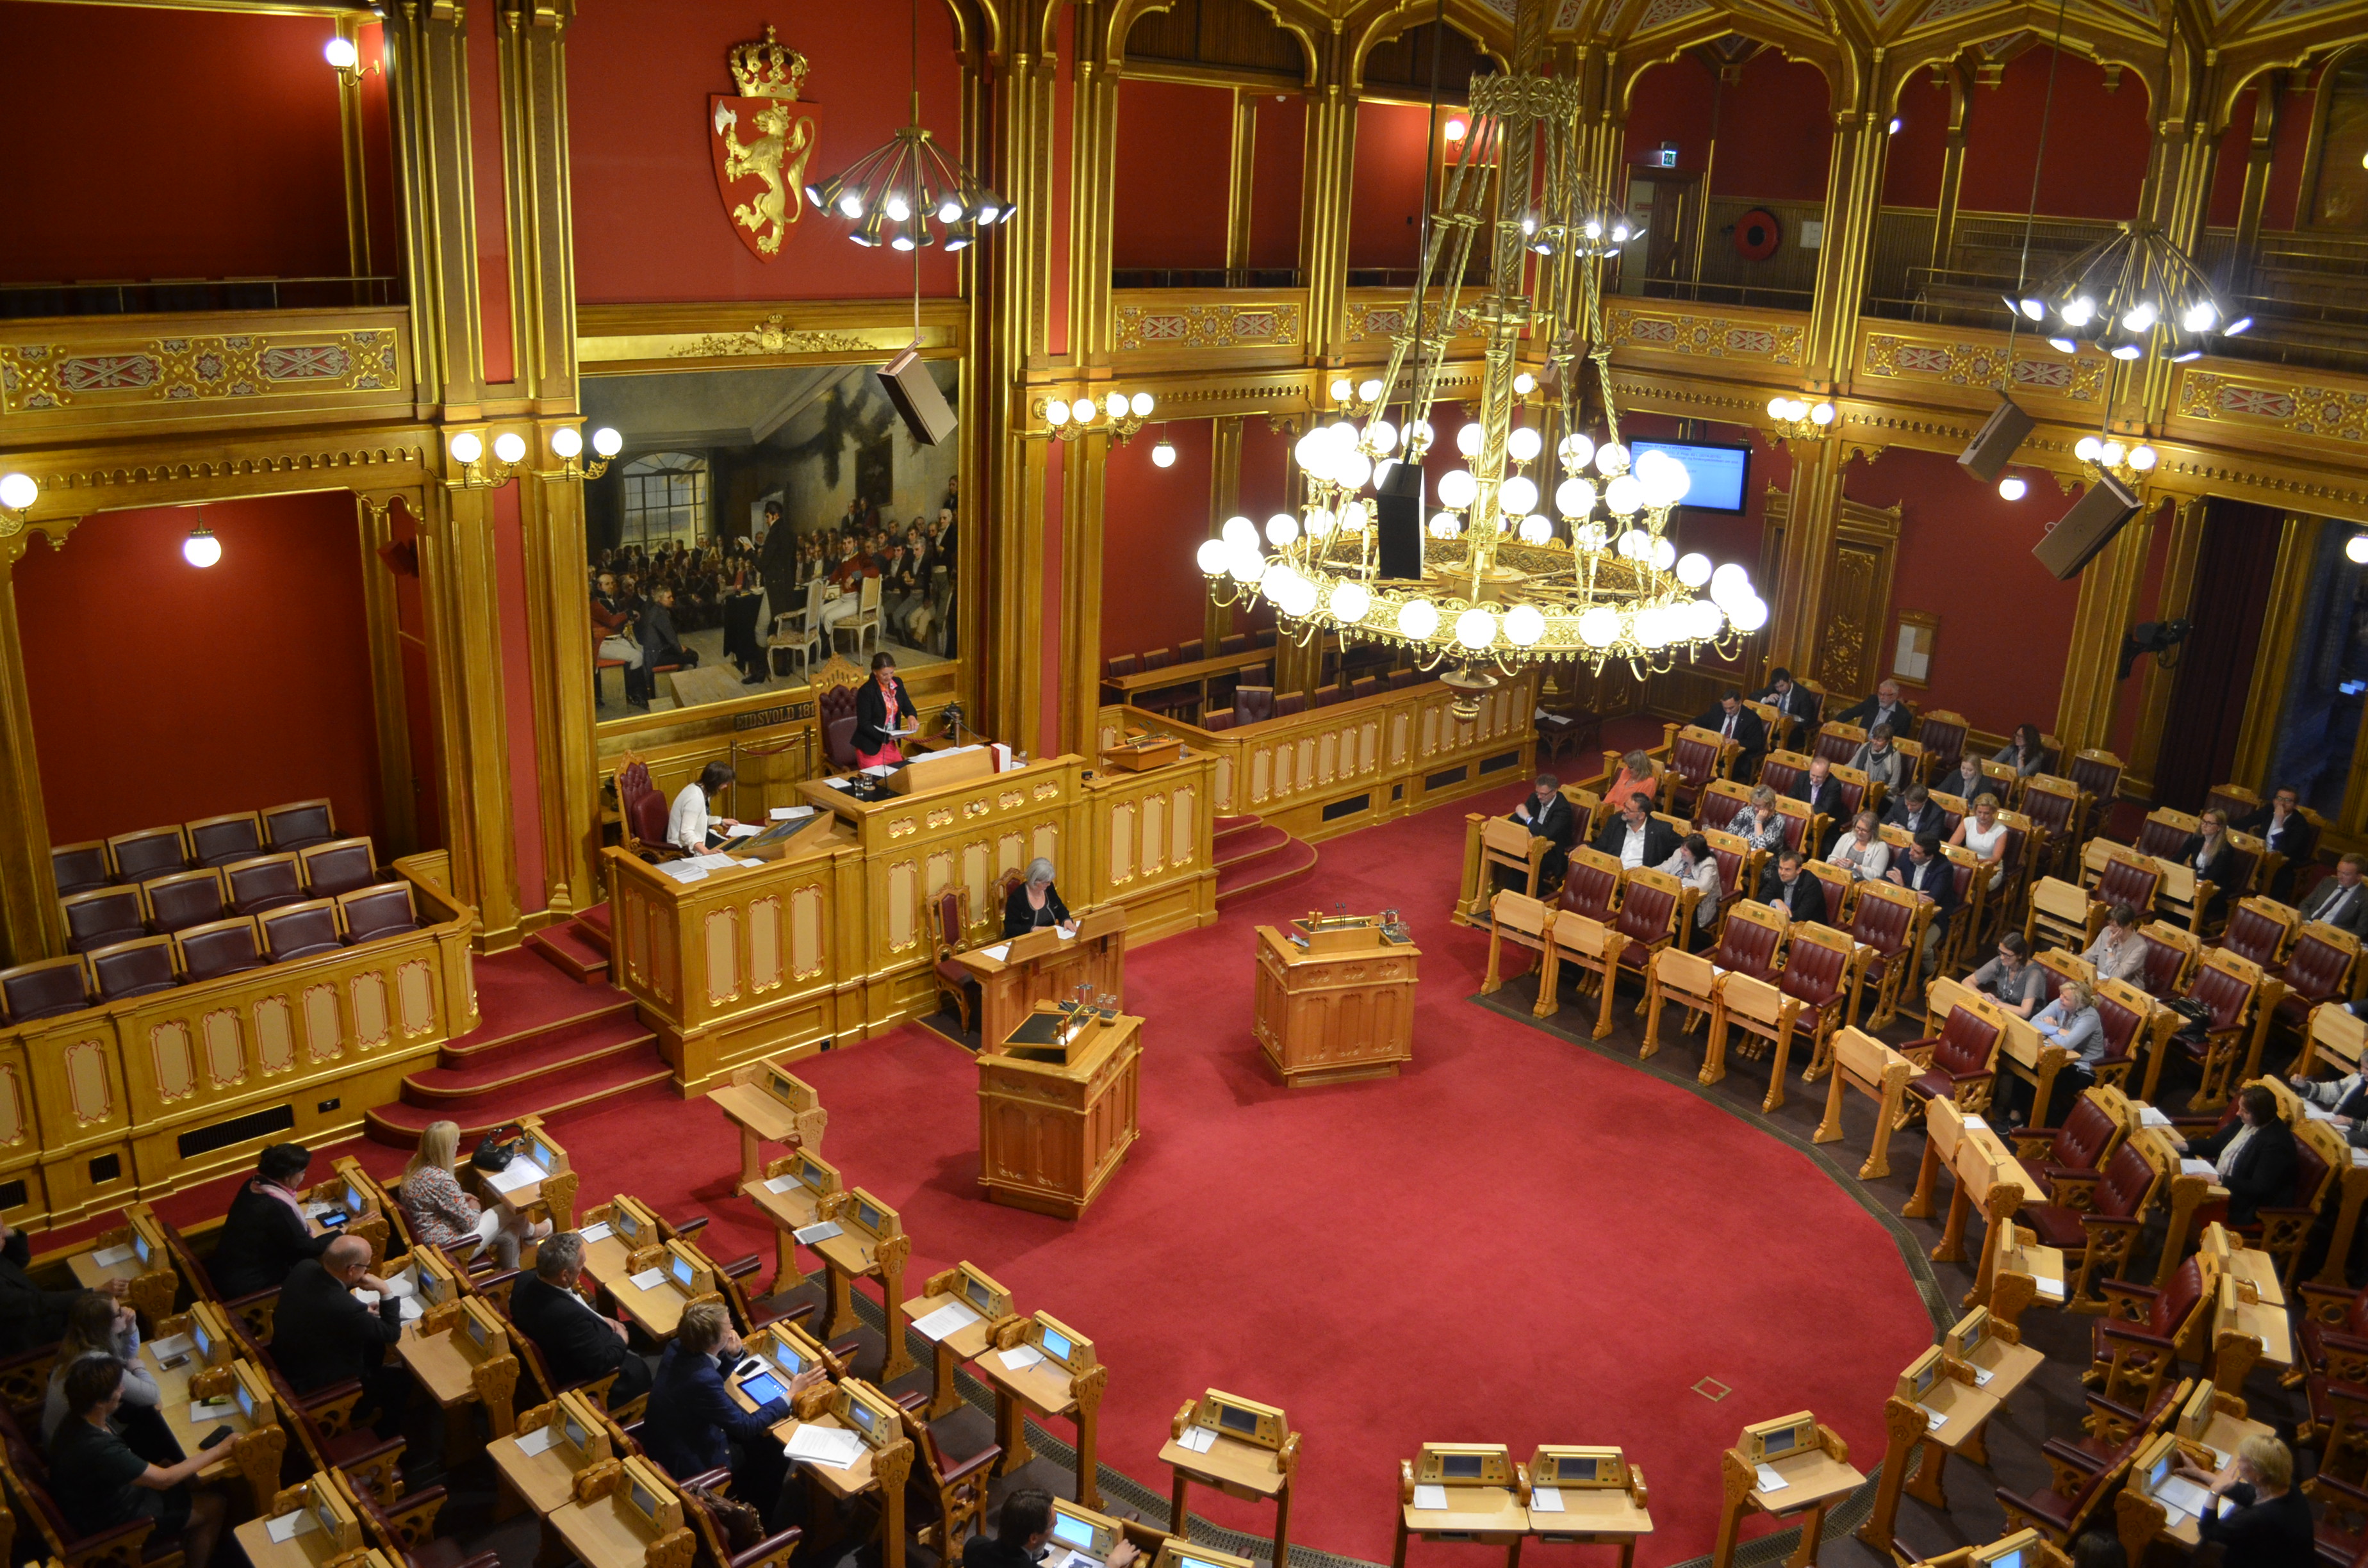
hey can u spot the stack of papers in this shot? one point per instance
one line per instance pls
(2178, 1492)
(1545, 1500)
(744, 830)
(831, 1446)
(108, 1257)
(998, 952)
(1771, 1479)
(648, 1278)
(2050, 1290)
(780, 1183)
(821, 1233)
(520, 1172)
(1066, 932)
(683, 870)
(2198, 1168)
(880, 770)
(1021, 1357)
(951, 1318)
(789, 814)
(534, 1442)
(713, 862)
(599, 1232)
(1431, 1497)
(1200, 1440)
(2149, 1116)
(287, 1527)
(204, 1410)
(1976, 1123)
(319, 1210)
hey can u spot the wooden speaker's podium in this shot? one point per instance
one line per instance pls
(1335, 999)
(1056, 1108)
(1044, 966)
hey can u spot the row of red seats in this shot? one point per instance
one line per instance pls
(153, 852)
(163, 906)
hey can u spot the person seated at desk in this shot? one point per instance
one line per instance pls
(1022, 1529)
(2024, 754)
(1912, 809)
(881, 706)
(661, 646)
(1986, 835)
(264, 1234)
(577, 1343)
(1547, 815)
(1882, 707)
(1760, 824)
(101, 1325)
(1924, 870)
(1968, 782)
(321, 1333)
(693, 1427)
(1731, 721)
(2011, 979)
(2214, 857)
(1035, 903)
(2118, 952)
(1790, 700)
(2253, 1156)
(442, 1215)
(2285, 832)
(688, 827)
(1792, 889)
(1635, 773)
(1637, 837)
(1695, 867)
(1822, 793)
(2269, 1524)
(99, 1483)
(1881, 762)
(31, 1317)
(1863, 854)
(2071, 1021)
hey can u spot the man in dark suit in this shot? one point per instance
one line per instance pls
(1791, 889)
(577, 1344)
(1912, 809)
(1547, 815)
(661, 646)
(322, 1334)
(1637, 837)
(1790, 700)
(2263, 1174)
(693, 1425)
(2342, 901)
(1925, 870)
(1731, 721)
(1818, 787)
(1884, 708)
(2286, 832)
(265, 1235)
(31, 1317)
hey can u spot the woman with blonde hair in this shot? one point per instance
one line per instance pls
(1986, 835)
(442, 1215)
(1636, 776)
(1760, 824)
(99, 1324)
(2269, 1526)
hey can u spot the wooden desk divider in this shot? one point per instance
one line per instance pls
(1585, 1496)
(1939, 1408)
(1467, 1491)
(540, 1471)
(1689, 979)
(254, 1454)
(936, 769)
(1175, 1552)
(872, 1243)
(884, 1465)
(769, 1103)
(1587, 946)
(1760, 1009)
(136, 1253)
(365, 1201)
(1947, 1128)
(1069, 1381)
(1522, 920)
(1810, 1461)
(1862, 1062)
(2015, 1269)
(799, 1190)
(335, 1514)
(2246, 1330)
(460, 1351)
(1242, 1448)
(625, 1514)
(966, 1286)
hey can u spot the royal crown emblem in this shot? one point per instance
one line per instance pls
(762, 138)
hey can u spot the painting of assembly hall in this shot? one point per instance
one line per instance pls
(755, 522)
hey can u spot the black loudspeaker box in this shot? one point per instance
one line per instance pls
(1994, 445)
(1397, 521)
(913, 391)
(2088, 527)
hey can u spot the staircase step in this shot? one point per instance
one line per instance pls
(400, 1124)
(546, 1058)
(1263, 839)
(1293, 860)
(595, 925)
(569, 949)
(505, 1035)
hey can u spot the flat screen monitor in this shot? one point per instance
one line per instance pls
(812, 1174)
(1570, 1466)
(246, 1402)
(644, 1504)
(861, 1414)
(540, 1153)
(1459, 1467)
(789, 1359)
(476, 1332)
(1072, 1531)
(783, 1088)
(867, 1216)
(431, 1286)
(2161, 1471)
(980, 1296)
(1721, 474)
(354, 1199)
(1057, 1345)
(198, 1337)
(1237, 1420)
(2012, 1559)
(625, 1222)
(682, 1272)
(1778, 1442)
(574, 1431)
(140, 1248)
(326, 1515)
(764, 1388)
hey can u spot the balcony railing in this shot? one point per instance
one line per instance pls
(172, 296)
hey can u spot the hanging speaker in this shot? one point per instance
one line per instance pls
(2088, 527)
(913, 391)
(1994, 445)
(1397, 521)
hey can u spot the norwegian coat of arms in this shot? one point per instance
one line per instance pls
(762, 138)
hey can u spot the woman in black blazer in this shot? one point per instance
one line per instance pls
(873, 744)
(2263, 1174)
(2214, 858)
(1035, 903)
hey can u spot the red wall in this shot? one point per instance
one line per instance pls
(1153, 520)
(1964, 555)
(1773, 131)
(1174, 175)
(2097, 141)
(164, 143)
(2287, 150)
(1386, 193)
(649, 222)
(1671, 102)
(1278, 160)
(161, 693)
(1911, 167)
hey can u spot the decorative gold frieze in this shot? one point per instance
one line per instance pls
(2079, 378)
(2336, 413)
(769, 337)
(1771, 341)
(1226, 323)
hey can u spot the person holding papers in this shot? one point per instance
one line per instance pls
(688, 827)
(884, 712)
(2255, 1513)
(1021, 1531)
(2252, 1156)
(1035, 903)
(693, 1427)
(441, 1215)
(2345, 1100)
(2072, 1022)
(577, 1344)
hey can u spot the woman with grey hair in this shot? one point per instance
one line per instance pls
(1035, 903)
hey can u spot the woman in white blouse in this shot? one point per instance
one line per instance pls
(1986, 835)
(1863, 853)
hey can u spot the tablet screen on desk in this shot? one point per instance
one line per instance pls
(682, 1272)
(861, 1415)
(576, 1436)
(139, 1247)
(625, 1222)
(980, 1296)
(335, 1217)
(764, 1388)
(867, 1216)
(810, 1174)
(1459, 1467)
(1233, 1420)
(1057, 1345)
(354, 1199)
(1776, 1443)
(1072, 1531)
(199, 1336)
(1571, 1468)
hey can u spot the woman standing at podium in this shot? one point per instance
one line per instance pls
(1034, 903)
(882, 707)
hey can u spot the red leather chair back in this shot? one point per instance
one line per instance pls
(2162, 839)
(949, 920)
(103, 918)
(643, 807)
(1730, 868)
(2242, 864)
(266, 883)
(838, 743)
(1796, 827)
(380, 912)
(1289, 703)
(2317, 970)
(1693, 759)
(2124, 882)
(2101, 779)
(1814, 973)
(1327, 696)
(2253, 935)
(2081, 1142)
(175, 904)
(1834, 893)
(2310, 1175)
(2124, 1186)
(216, 842)
(44, 990)
(1963, 876)
(133, 969)
(1747, 946)
(1854, 797)
(2223, 993)
(1159, 658)
(300, 822)
(300, 930)
(157, 852)
(1645, 912)
(2050, 811)
(2011, 853)
(2178, 1299)
(2163, 964)
(1966, 1041)
(227, 948)
(2120, 1026)
(1401, 679)
(79, 867)
(1943, 743)
(1217, 718)
(1254, 704)
(1590, 890)
(1881, 924)
(1837, 749)
(345, 865)
(1190, 650)
(1232, 642)
(1781, 777)
(1364, 686)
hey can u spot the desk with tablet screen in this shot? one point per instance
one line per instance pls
(538, 1463)
(883, 1461)
(136, 1255)
(1461, 1491)
(1586, 1497)
(216, 1389)
(798, 1191)
(613, 1232)
(1243, 1448)
(670, 1278)
(959, 1314)
(1939, 1408)
(460, 1354)
(769, 1103)
(320, 1526)
(618, 1527)
(871, 1244)
(1046, 1369)
(1795, 1465)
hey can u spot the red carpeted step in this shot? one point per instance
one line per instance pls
(566, 948)
(400, 1124)
(550, 1056)
(1260, 839)
(595, 922)
(1224, 825)
(600, 1011)
(1284, 863)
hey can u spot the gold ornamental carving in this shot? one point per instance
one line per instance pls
(44, 376)
(1226, 325)
(901, 826)
(2079, 378)
(2301, 408)
(769, 337)
(1386, 321)
(761, 178)
(940, 816)
(1711, 338)
(1010, 800)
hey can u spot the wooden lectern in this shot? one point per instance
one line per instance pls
(1335, 1000)
(1044, 966)
(1056, 1108)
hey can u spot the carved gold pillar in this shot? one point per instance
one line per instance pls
(1952, 166)
(2176, 196)
(457, 593)
(1853, 199)
(1224, 500)
(359, 248)
(2108, 591)
(1324, 199)
(398, 804)
(1093, 187)
(1813, 503)
(29, 926)
(2260, 143)
(428, 51)
(1238, 189)
(2171, 603)
(1085, 466)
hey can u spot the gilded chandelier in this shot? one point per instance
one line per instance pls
(1503, 582)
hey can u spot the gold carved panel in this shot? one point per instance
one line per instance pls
(88, 1093)
(324, 1036)
(176, 1071)
(371, 1026)
(1227, 323)
(1122, 845)
(1400, 728)
(2327, 406)
(1047, 845)
(15, 1125)
(1155, 834)
(415, 996)
(226, 1047)
(904, 904)
(1010, 853)
(274, 1035)
(939, 872)
(1946, 358)
(1769, 340)
(974, 877)
(1187, 825)
(806, 933)
(764, 944)
(1222, 788)
(1261, 775)
(723, 930)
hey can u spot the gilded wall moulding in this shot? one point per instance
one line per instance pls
(1273, 324)
(769, 337)
(1713, 338)
(2300, 408)
(2079, 378)
(103, 371)
(1368, 322)
(345, 464)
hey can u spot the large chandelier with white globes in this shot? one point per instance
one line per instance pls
(1525, 558)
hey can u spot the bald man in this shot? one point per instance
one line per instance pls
(321, 1333)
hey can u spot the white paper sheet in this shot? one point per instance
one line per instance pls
(2182, 1494)
(204, 1410)
(2360, 1156)
(744, 830)
(599, 1232)
(108, 1257)
(1068, 933)
(2197, 1168)
(830, 1445)
(951, 1318)
(713, 862)
(1982, 1376)
(2149, 1116)
(748, 862)
(412, 1312)
(1545, 1500)
(287, 1527)
(1200, 1440)
(2051, 1289)
(536, 1441)
(167, 1349)
(1772, 1480)
(319, 1210)
(789, 814)
(780, 1183)
(648, 1279)
(684, 871)
(1431, 1497)
(1933, 1419)
(880, 771)
(820, 1232)
(1020, 1357)
(1975, 1122)
(520, 1172)
(998, 952)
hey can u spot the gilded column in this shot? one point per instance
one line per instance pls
(428, 65)
(1084, 468)
(1093, 186)
(2108, 591)
(29, 926)
(1815, 505)
(1239, 189)
(382, 623)
(2260, 143)
(457, 594)
(2171, 603)
(1952, 166)
(1324, 199)
(1224, 500)
(1853, 199)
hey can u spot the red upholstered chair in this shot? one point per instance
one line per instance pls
(1217, 718)
(1653, 907)
(1590, 885)
(1286, 702)
(951, 911)
(2171, 956)
(1952, 812)
(1121, 664)
(1401, 679)
(2228, 988)
(1263, 637)
(2134, 1024)
(1959, 1063)
(1853, 787)
(133, 967)
(2054, 807)
(1838, 886)
(299, 824)
(339, 865)
(1254, 704)
(2102, 1231)
(1781, 771)
(1326, 697)
(2284, 1227)
(2099, 774)
(838, 744)
(1159, 658)
(300, 930)
(1837, 741)
(2128, 879)
(1738, 868)
(374, 911)
(2134, 1349)
(78, 868)
(641, 811)
(150, 853)
(2087, 1139)
(267, 881)
(2319, 968)
(1191, 651)
(1752, 940)
(1232, 642)
(2164, 834)
(1889, 920)
(190, 898)
(217, 841)
(1942, 735)
(1973, 883)
(227, 947)
(2259, 929)
(1696, 756)
(103, 918)
(44, 990)
(1803, 828)
(1364, 686)
(1820, 965)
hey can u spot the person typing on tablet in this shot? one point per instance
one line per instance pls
(693, 1426)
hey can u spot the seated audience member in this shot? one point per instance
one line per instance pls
(660, 645)
(2214, 858)
(1637, 837)
(613, 626)
(442, 1215)
(2340, 900)
(1913, 810)
(1925, 870)
(1881, 762)
(31, 1316)
(264, 1234)
(1968, 781)
(1694, 866)
(2012, 979)
(1731, 721)
(102, 1325)
(2024, 754)
(1548, 816)
(1022, 1529)
(1760, 824)
(1823, 792)
(1790, 699)
(693, 1427)
(1786, 885)
(1883, 708)
(1863, 853)
(2255, 1516)
(2072, 1022)
(2253, 1156)
(688, 827)
(1635, 774)
(2286, 833)
(1036, 901)
(99, 1483)
(321, 1333)
(1986, 835)
(577, 1344)
(2345, 1100)
(2118, 952)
